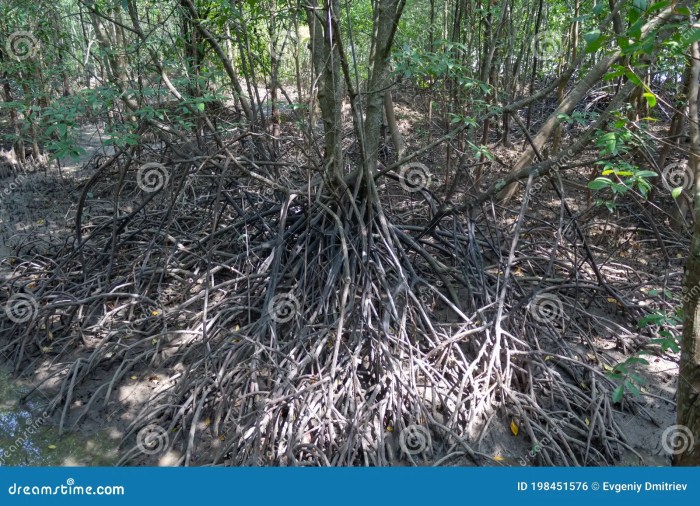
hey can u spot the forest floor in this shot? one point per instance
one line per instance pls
(38, 210)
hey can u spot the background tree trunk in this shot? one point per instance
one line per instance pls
(689, 374)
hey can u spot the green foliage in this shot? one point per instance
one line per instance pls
(59, 121)
(664, 325)
(619, 175)
(424, 66)
(627, 379)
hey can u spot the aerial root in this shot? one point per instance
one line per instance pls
(305, 331)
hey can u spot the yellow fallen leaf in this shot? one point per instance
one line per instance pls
(588, 422)
(499, 458)
(222, 438)
(154, 341)
(514, 427)
(237, 328)
(390, 428)
(133, 378)
(51, 447)
(155, 313)
(40, 222)
(207, 422)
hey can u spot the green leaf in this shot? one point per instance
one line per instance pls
(632, 388)
(667, 344)
(640, 380)
(594, 40)
(640, 4)
(654, 318)
(591, 36)
(619, 188)
(599, 183)
(676, 192)
(635, 31)
(644, 188)
(633, 77)
(646, 173)
(618, 393)
(613, 75)
(658, 6)
(690, 38)
(651, 99)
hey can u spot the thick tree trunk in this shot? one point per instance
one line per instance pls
(326, 62)
(386, 19)
(688, 433)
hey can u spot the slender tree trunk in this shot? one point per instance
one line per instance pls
(396, 137)
(535, 61)
(274, 82)
(236, 87)
(689, 374)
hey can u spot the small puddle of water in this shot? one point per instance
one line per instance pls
(27, 437)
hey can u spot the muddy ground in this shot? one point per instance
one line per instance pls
(42, 205)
